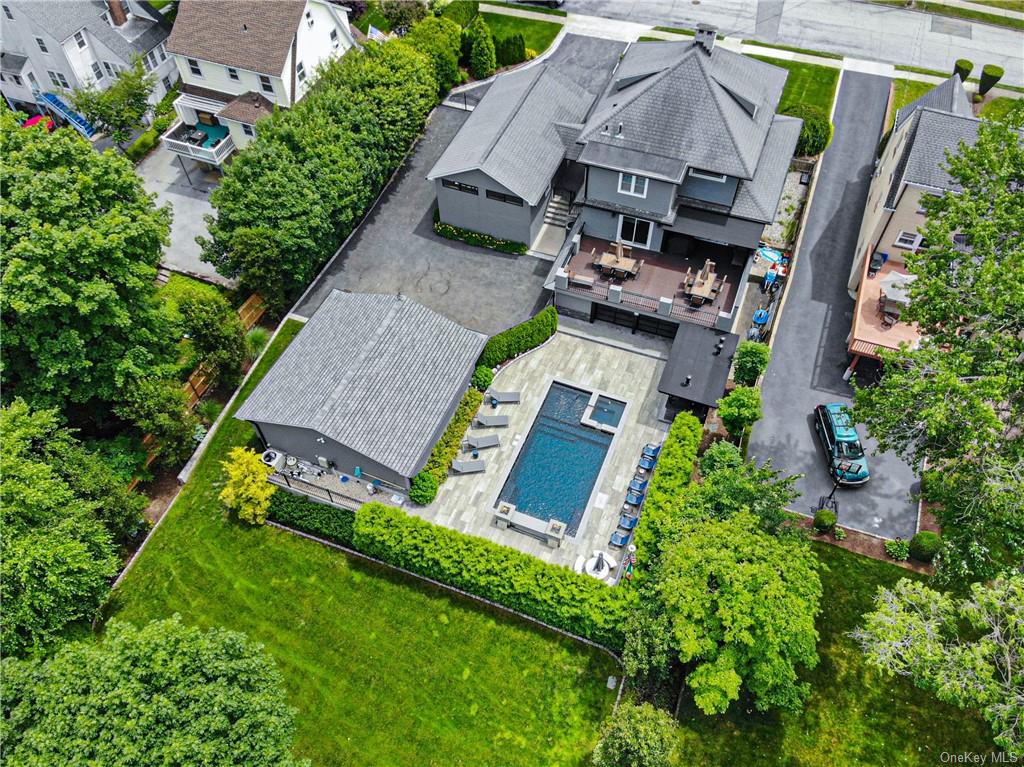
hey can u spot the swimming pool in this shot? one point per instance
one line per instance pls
(559, 462)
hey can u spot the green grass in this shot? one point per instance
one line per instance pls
(998, 108)
(383, 670)
(537, 34)
(531, 8)
(855, 715)
(903, 92)
(180, 285)
(794, 49)
(813, 84)
(677, 30)
(968, 14)
(1006, 5)
(372, 16)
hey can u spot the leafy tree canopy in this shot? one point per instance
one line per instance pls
(439, 38)
(118, 109)
(163, 694)
(740, 409)
(216, 331)
(956, 403)
(160, 407)
(636, 736)
(81, 245)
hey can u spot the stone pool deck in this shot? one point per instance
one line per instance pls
(466, 502)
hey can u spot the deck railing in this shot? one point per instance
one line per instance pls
(214, 155)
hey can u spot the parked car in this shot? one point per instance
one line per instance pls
(847, 462)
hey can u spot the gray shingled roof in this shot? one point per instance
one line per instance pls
(947, 96)
(923, 161)
(706, 111)
(512, 134)
(758, 198)
(249, 34)
(62, 19)
(247, 108)
(378, 373)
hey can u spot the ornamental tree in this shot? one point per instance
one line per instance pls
(441, 39)
(159, 406)
(82, 242)
(955, 403)
(741, 606)
(217, 333)
(750, 362)
(161, 694)
(636, 736)
(740, 409)
(118, 109)
(247, 492)
(967, 651)
(482, 56)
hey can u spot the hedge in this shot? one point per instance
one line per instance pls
(483, 376)
(315, 518)
(668, 487)
(552, 594)
(815, 133)
(462, 12)
(446, 449)
(521, 338)
(479, 239)
(925, 545)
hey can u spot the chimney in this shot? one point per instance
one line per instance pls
(705, 37)
(118, 16)
(687, 381)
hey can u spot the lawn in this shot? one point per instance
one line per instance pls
(855, 715)
(533, 8)
(998, 108)
(955, 11)
(537, 34)
(383, 670)
(812, 84)
(372, 16)
(903, 92)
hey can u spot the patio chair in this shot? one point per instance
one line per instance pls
(651, 451)
(490, 421)
(889, 319)
(646, 464)
(627, 522)
(634, 498)
(638, 485)
(620, 538)
(468, 467)
(480, 442)
(504, 397)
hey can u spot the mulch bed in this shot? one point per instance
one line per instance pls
(867, 545)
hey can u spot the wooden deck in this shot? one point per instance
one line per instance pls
(868, 333)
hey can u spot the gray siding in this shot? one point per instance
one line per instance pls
(717, 192)
(605, 225)
(603, 184)
(717, 227)
(493, 217)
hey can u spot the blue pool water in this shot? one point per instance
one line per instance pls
(608, 411)
(558, 465)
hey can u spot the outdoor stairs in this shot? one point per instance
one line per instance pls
(557, 212)
(54, 102)
(163, 275)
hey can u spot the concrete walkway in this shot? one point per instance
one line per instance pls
(991, 10)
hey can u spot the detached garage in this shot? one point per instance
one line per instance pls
(370, 383)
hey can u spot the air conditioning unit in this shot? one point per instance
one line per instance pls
(273, 458)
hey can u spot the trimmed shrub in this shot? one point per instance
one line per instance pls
(440, 39)
(462, 12)
(479, 239)
(143, 145)
(314, 518)
(510, 50)
(990, 75)
(555, 595)
(739, 409)
(447, 447)
(720, 455)
(667, 492)
(523, 337)
(482, 59)
(898, 549)
(402, 14)
(824, 520)
(839, 533)
(816, 132)
(962, 68)
(751, 361)
(925, 545)
(482, 377)
(423, 488)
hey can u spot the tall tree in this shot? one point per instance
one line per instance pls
(482, 56)
(81, 243)
(163, 694)
(216, 331)
(159, 406)
(741, 606)
(956, 404)
(969, 652)
(118, 109)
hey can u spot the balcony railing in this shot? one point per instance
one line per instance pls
(175, 139)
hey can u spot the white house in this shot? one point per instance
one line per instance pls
(51, 47)
(238, 60)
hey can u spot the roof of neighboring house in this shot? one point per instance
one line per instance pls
(512, 134)
(693, 355)
(948, 96)
(680, 106)
(12, 63)
(923, 160)
(758, 198)
(379, 374)
(62, 18)
(247, 108)
(249, 34)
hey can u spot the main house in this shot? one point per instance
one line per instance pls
(665, 179)
(50, 48)
(239, 60)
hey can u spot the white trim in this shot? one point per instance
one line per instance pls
(192, 71)
(650, 231)
(719, 178)
(902, 246)
(632, 187)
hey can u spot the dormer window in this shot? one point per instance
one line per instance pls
(334, 39)
(705, 176)
(193, 67)
(309, 18)
(79, 40)
(300, 72)
(634, 186)
(265, 84)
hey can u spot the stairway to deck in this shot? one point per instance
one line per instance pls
(557, 212)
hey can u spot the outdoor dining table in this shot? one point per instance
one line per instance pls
(610, 262)
(700, 289)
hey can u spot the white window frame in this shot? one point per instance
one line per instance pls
(109, 68)
(650, 231)
(58, 79)
(151, 58)
(706, 176)
(631, 190)
(42, 45)
(80, 40)
(309, 18)
(97, 70)
(233, 74)
(8, 14)
(161, 52)
(32, 79)
(17, 79)
(335, 39)
(904, 237)
(248, 130)
(300, 72)
(168, 84)
(194, 68)
(266, 84)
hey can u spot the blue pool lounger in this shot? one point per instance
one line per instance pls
(626, 522)
(619, 538)
(634, 498)
(638, 485)
(651, 451)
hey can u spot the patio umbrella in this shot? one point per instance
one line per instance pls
(896, 287)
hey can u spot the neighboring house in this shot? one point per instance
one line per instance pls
(680, 161)
(366, 389)
(910, 168)
(52, 47)
(238, 60)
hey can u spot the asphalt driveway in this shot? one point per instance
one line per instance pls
(809, 355)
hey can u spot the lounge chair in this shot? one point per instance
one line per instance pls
(468, 467)
(634, 499)
(480, 441)
(651, 451)
(638, 485)
(647, 464)
(504, 397)
(490, 421)
(619, 539)
(627, 522)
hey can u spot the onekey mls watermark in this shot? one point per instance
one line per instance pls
(977, 757)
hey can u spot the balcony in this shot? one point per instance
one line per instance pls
(873, 331)
(206, 143)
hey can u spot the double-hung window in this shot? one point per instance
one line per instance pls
(97, 70)
(58, 79)
(300, 72)
(42, 45)
(511, 199)
(108, 68)
(8, 14)
(265, 84)
(908, 240)
(17, 79)
(233, 74)
(635, 186)
(194, 68)
(167, 82)
(248, 130)
(79, 40)
(334, 39)
(635, 231)
(161, 52)
(151, 60)
(459, 186)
